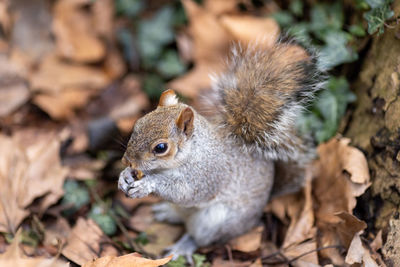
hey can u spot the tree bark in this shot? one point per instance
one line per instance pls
(374, 127)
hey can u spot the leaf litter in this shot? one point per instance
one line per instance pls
(80, 77)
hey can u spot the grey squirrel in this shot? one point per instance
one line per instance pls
(218, 172)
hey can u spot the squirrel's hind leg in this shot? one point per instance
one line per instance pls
(169, 212)
(185, 246)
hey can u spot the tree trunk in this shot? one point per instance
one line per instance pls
(375, 128)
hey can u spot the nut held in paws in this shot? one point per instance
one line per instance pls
(137, 174)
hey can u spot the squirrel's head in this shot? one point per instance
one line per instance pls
(158, 140)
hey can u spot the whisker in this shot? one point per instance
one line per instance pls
(120, 142)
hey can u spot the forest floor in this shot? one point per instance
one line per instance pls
(76, 75)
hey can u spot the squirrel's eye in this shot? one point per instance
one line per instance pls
(160, 148)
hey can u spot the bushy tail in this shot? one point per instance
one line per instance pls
(260, 96)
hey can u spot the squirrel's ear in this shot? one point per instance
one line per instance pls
(168, 98)
(185, 121)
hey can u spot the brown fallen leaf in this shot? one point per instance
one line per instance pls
(219, 7)
(84, 242)
(54, 75)
(302, 218)
(341, 178)
(142, 218)
(348, 227)
(61, 87)
(210, 45)
(5, 18)
(129, 260)
(357, 253)
(13, 93)
(219, 262)
(14, 256)
(250, 29)
(30, 167)
(248, 242)
(126, 110)
(377, 243)
(213, 30)
(335, 188)
(161, 235)
(56, 233)
(62, 105)
(102, 17)
(325, 205)
(14, 90)
(131, 203)
(31, 30)
(257, 263)
(308, 252)
(73, 29)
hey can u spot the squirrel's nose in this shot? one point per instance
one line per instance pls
(129, 163)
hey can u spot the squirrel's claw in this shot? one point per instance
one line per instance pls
(139, 189)
(185, 247)
(125, 180)
(133, 188)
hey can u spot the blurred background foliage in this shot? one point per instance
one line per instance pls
(149, 45)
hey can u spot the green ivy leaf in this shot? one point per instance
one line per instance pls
(283, 18)
(375, 3)
(170, 64)
(130, 8)
(357, 30)
(324, 117)
(300, 31)
(376, 18)
(154, 33)
(200, 260)
(103, 219)
(336, 51)
(326, 18)
(296, 7)
(142, 239)
(179, 262)
(75, 195)
(153, 86)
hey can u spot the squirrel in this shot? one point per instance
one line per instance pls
(217, 173)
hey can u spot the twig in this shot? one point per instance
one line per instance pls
(229, 251)
(287, 261)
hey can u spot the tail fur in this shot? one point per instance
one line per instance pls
(260, 96)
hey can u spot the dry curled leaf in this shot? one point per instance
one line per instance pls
(325, 205)
(14, 256)
(248, 242)
(210, 45)
(84, 242)
(30, 167)
(249, 29)
(54, 75)
(213, 30)
(129, 260)
(31, 29)
(14, 90)
(65, 87)
(357, 253)
(342, 176)
(218, 7)
(219, 262)
(73, 29)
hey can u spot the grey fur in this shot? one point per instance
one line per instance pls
(220, 190)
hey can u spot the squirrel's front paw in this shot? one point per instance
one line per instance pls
(131, 187)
